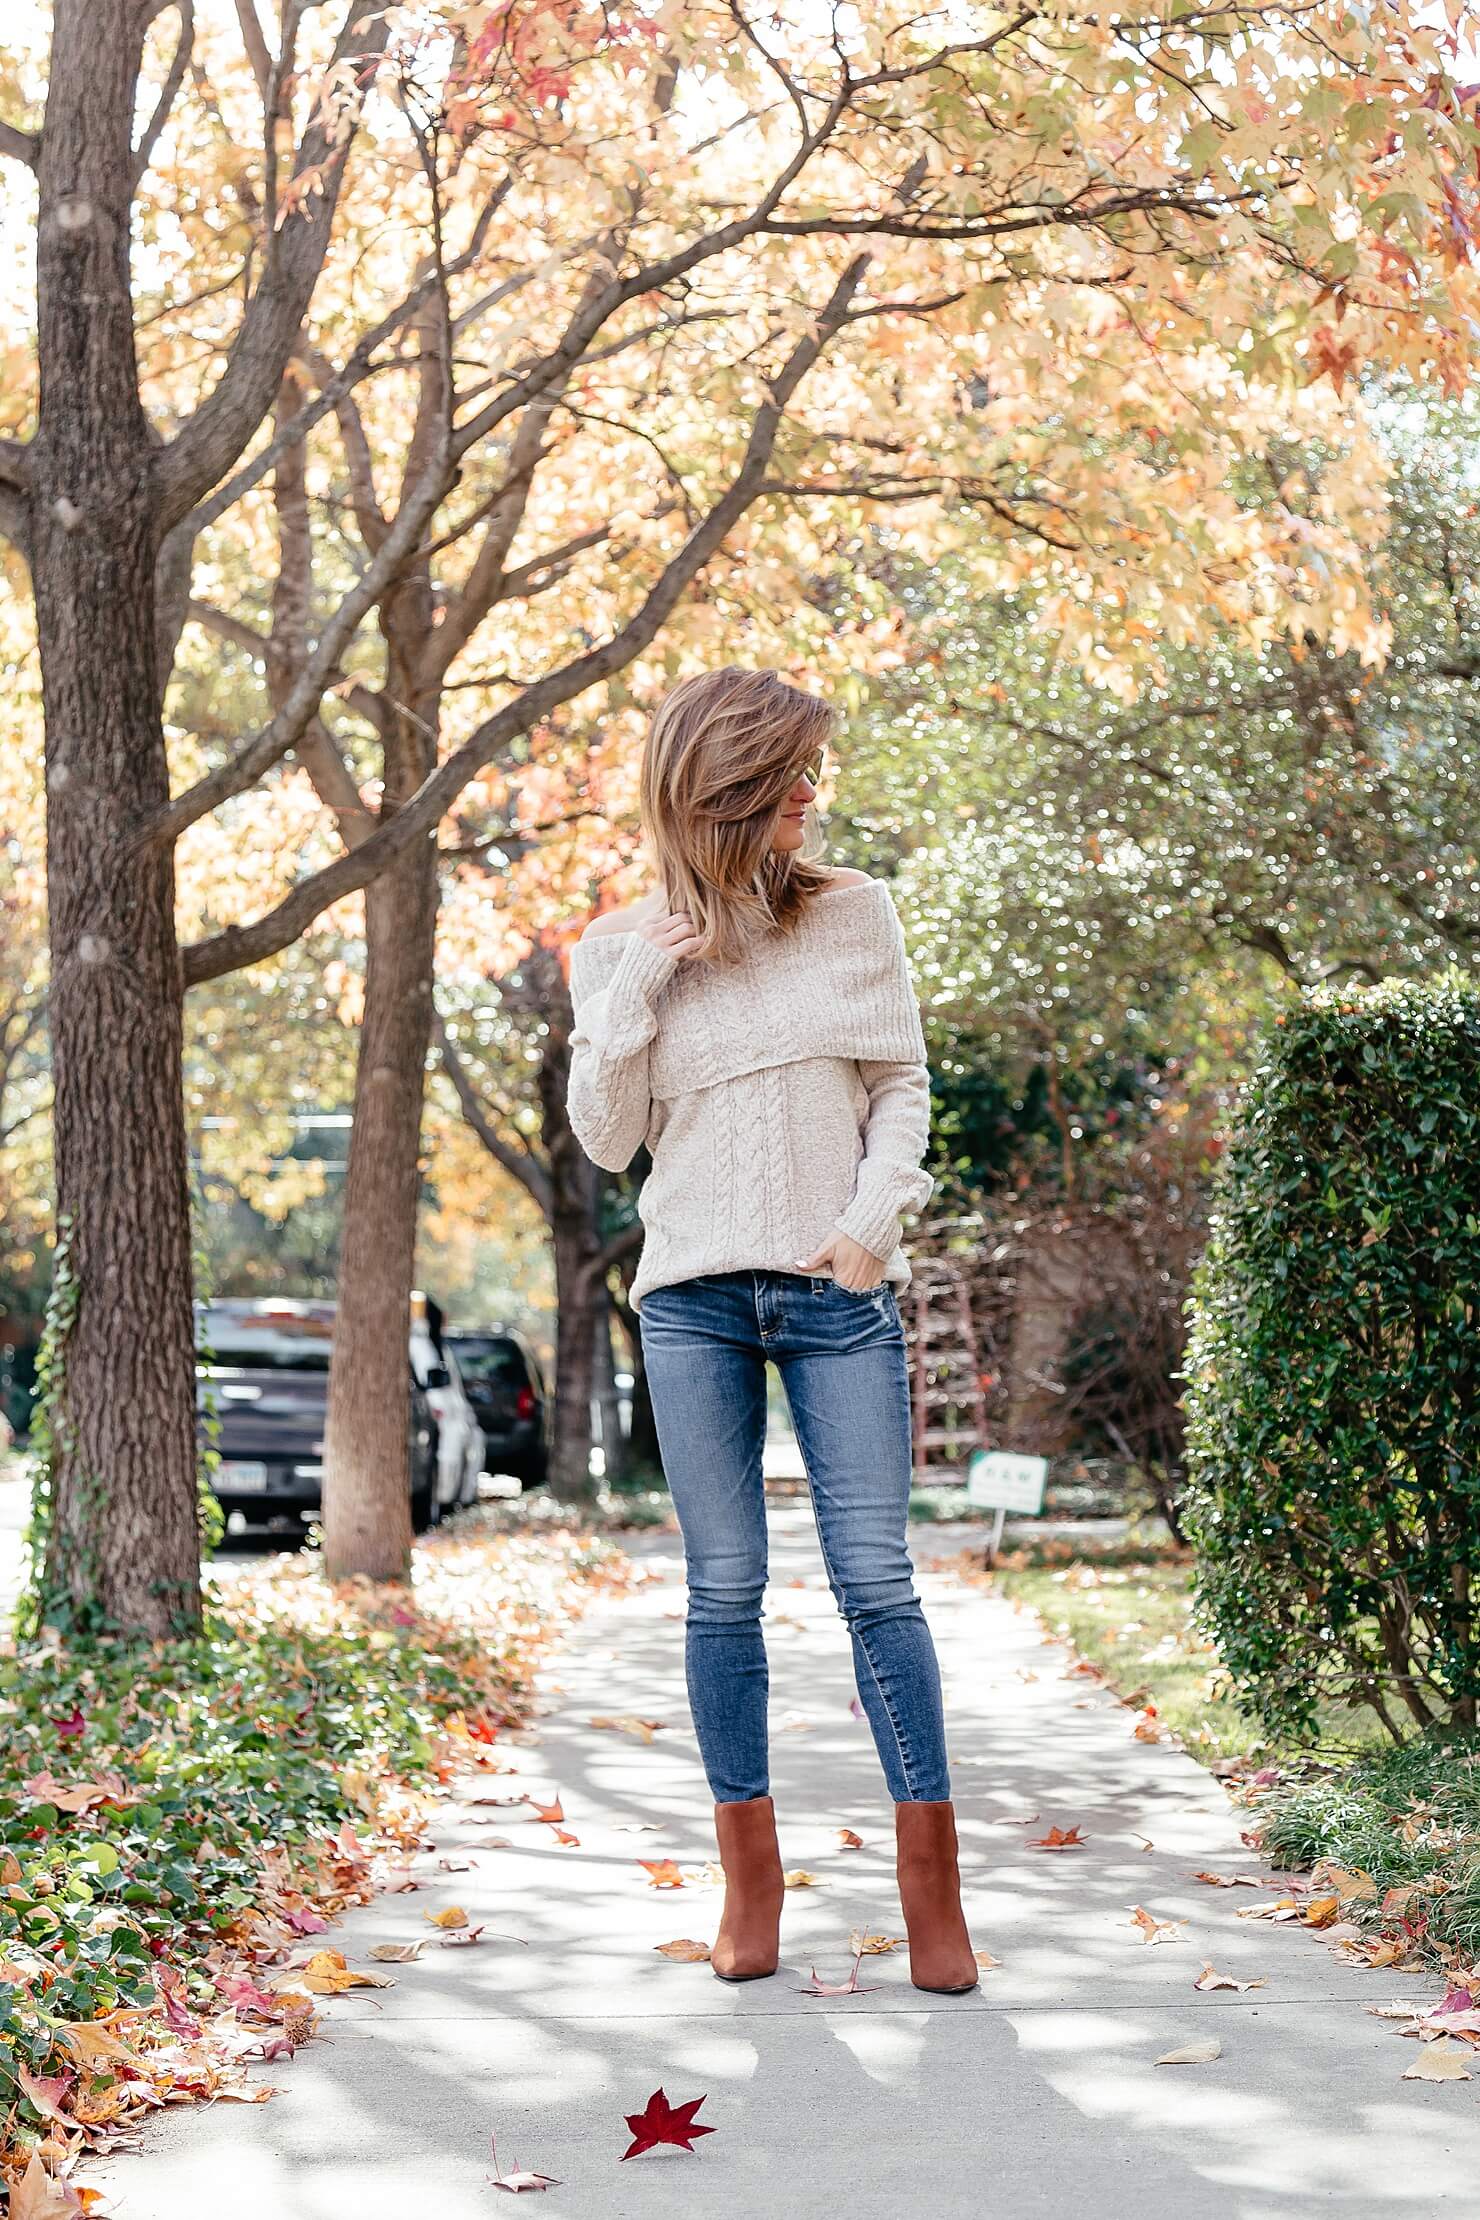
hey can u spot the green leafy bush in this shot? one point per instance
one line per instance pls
(1334, 1367)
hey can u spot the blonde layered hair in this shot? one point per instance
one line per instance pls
(722, 754)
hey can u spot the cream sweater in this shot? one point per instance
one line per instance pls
(781, 1099)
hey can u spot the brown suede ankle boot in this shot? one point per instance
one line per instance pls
(930, 1894)
(748, 1944)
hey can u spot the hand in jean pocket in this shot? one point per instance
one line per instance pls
(853, 1267)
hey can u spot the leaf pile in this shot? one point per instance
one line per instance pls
(178, 1820)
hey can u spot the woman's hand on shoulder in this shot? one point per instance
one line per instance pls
(674, 933)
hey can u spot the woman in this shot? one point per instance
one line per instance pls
(752, 1022)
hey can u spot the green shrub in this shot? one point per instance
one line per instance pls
(1333, 1367)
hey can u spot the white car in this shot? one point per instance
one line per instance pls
(459, 1436)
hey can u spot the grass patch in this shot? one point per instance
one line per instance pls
(1409, 1820)
(176, 1816)
(1128, 1609)
(1132, 1619)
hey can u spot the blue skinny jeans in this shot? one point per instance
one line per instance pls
(841, 1357)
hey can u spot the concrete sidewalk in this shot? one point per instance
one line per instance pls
(1036, 2094)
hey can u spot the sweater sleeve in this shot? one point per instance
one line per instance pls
(890, 1179)
(608, 1098)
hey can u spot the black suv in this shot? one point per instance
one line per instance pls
(263, 1366)
(502, 1378)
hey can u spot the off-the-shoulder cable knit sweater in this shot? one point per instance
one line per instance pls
(781, 1098)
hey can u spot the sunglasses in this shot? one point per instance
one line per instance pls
(814, 766)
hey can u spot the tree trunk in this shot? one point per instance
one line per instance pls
(579, 1296)
(613, 1442)
(577, 1307)
(367, 1521)
(124, 1541)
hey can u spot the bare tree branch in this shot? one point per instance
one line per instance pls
(255, 44)
(280, 927)
(169, 91)
(213, 437)
(519, 1162)
(21, 146)
(287, 727)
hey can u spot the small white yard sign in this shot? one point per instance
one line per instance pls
(996, 1480)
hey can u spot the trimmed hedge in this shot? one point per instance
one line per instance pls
(1334, 1367)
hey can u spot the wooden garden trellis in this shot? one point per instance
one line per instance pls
(948, 1400)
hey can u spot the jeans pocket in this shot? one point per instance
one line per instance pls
(829, 1285)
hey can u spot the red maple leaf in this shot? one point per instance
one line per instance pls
(662, 2122)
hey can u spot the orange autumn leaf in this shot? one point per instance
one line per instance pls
(1154, 1930)
(452, 1916)
(662, 1873)
(1057, 1838)
(848, 1840)
(551, 1814)
(685, 1951)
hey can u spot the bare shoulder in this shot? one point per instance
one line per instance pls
(623, 920)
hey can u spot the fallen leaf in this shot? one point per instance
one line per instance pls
(1193, 2054)
(628, 1723)
(40, 2196)
(551, 1814)
(1154, 1930)
(850, 1987)
(638, 1827)
(800, 1878)
(685, 1951)
(1322, 1910)
(452, 1916)
(1351, 1887)
(464, 1939)
(985, 1958)
(1207, 1979)
(565, 1838)
(848, 1840)
(662, 1873)
(1228, 1880)
(1058, 1838)
(497, 1842)
(47, 2094)
(397, 1954)
(326, 1974)
(523, 2179)
(872, 1946)
(1443, 2061)
(662, 2122)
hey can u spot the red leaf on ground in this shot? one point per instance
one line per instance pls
(662, 2122)
(662, 1873)
(552, 1814)
(848, 1840)
(1057, 1838)
(564, 1836)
